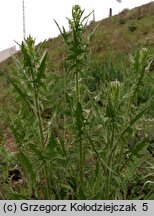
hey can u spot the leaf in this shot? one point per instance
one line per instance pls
(37, 152)
(102, 162)
(49, 151)
(42, 67)
(20, 92)
(138, 116)
(72, 181)
(58, 27)
(81, 193)
(17, 196)
(79, 118)
(110, 112)
(27, 166)
(27, 57)
(139, 147)
(17, 63)
(52, 142)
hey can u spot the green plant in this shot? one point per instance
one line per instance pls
(81, 134)
(132, 26)
(76, 65)
(28, 82)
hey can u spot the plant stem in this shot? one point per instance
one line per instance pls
(42, 145)
(80, 139)
(77, 88)
(37, 110)
(81, 161)
(39, 119)
(48, 181)
(40, 124)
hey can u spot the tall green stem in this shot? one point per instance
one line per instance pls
(40, 125)
(81, 161)
(39, 119)
(37, 110)
(77, 88)
(77, 49)
(80, 139)
(42, 144)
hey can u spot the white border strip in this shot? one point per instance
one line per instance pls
(80, 207)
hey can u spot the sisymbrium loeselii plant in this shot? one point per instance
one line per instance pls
(77, 46)
(27, 125)
(94, 142)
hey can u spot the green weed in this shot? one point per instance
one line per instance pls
(80, 133)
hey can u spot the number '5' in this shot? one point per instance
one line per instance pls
(145, 207)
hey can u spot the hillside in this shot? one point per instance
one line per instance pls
(115, 36)
(118, 35)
